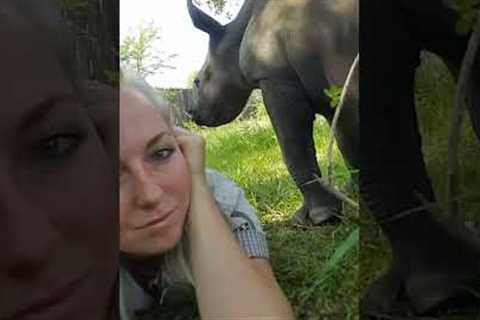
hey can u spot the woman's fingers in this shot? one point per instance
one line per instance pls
(193, 148)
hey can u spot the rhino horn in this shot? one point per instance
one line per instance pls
(203, 21)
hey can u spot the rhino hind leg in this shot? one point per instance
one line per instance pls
(292, 118)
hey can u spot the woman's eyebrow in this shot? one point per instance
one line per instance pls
(42, 108)
(157, 139)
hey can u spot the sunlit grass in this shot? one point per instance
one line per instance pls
(316, 267)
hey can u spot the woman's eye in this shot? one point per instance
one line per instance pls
(60, 145)
(162, 154)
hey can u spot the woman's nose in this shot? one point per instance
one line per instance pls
(27, 235)
(148, 191)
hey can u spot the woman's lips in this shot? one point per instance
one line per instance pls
(155, 221)
(51, 299)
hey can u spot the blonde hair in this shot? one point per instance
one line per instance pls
(129, 79)
(175, 263)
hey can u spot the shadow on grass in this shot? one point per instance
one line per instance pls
(299, 255)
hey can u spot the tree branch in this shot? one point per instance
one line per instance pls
(338, 110)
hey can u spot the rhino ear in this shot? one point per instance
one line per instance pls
(203, 21)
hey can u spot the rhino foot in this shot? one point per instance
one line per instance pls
(316, 216)
(447, 275)
(431, 294)
(423, 295)
(385, 296)
(444, 280)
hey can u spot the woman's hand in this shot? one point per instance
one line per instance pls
(193, 149)
(216, 254)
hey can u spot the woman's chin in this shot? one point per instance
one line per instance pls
(163, 243)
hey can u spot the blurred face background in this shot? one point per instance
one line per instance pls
(58, 206)
(154, 179)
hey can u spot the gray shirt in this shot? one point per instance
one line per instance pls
(245, 226)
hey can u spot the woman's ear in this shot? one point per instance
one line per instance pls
(102, 105)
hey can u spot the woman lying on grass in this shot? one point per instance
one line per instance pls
(190, 243)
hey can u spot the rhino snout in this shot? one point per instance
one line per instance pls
(200, 120)
(209, 120)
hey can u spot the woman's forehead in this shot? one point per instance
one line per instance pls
(133, 103)
(139, 119)
(130, 95)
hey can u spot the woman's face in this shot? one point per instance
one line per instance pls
(154, 179)
(58, 208)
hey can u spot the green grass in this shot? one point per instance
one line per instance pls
(435, 96)
(316, 267)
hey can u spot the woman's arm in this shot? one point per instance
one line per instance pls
(229, 284)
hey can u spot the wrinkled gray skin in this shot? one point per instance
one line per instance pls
(292, 50)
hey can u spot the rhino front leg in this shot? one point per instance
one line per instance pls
(292, 118)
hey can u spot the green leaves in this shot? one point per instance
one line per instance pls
(169, 94)
(342, 250)
(220, 7)
(468, 12)
(217, 5)
(138, 52)
(334, 93)
(74, 8)
(72, 5)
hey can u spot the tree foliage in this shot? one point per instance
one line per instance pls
(169, 94)
(217, 5)
(73, 7)
(334, 93)
(468, 12)
(137, 51)
(95, 25)
(191, 78)
(223, 8)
